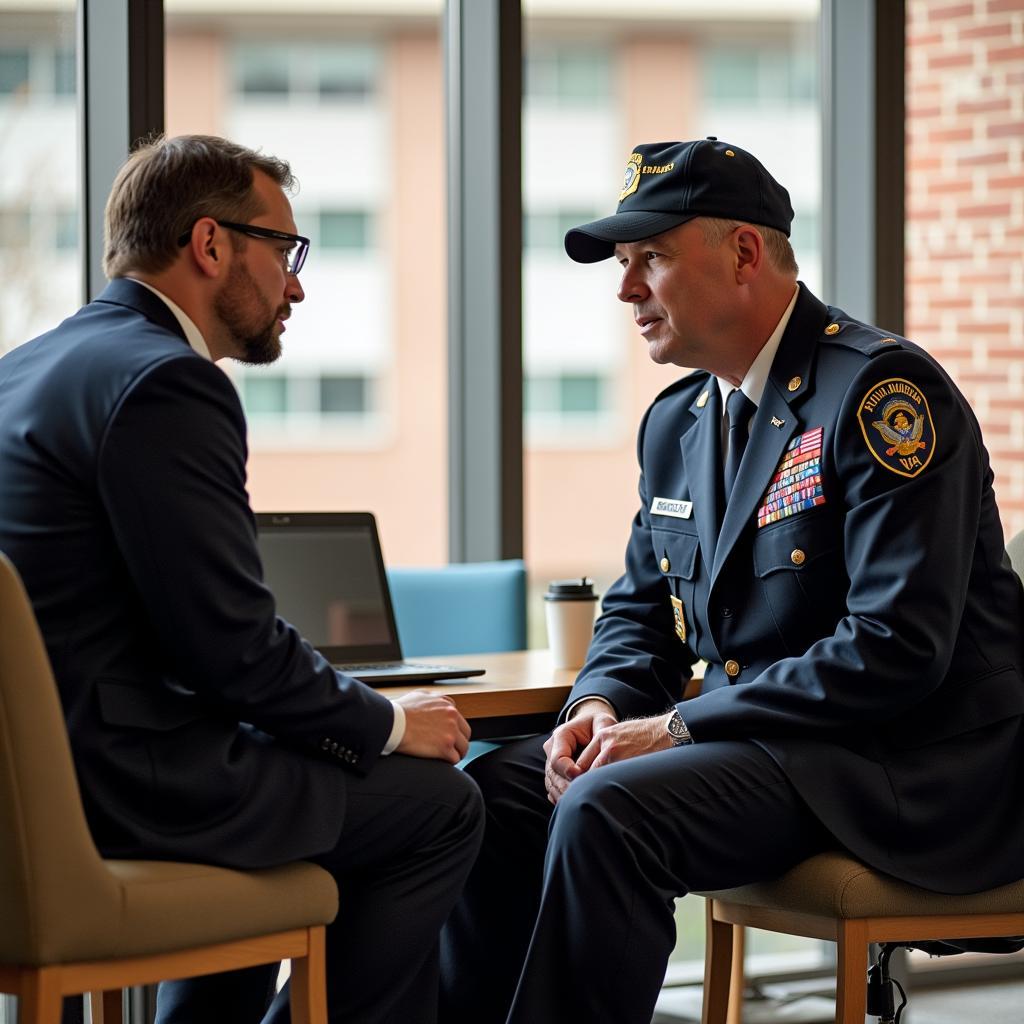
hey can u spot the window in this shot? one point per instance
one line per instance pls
(14, 66)
(344, 229)
(567, 394)
(40, 275)
(305, 71)
(544, 231)
(272, 398)
(761, 74)
(572, 75)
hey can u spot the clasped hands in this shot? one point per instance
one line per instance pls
(603, 739)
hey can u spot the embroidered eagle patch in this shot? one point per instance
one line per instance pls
(897, 426)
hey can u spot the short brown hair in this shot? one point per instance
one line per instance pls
(167, 184)
(776, 245)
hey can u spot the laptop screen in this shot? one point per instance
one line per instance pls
(326, 572)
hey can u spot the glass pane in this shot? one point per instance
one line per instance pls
(597, 82)
(354, 414)
(40, 274)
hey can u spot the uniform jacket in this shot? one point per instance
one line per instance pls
(854, 603)
(123, 506)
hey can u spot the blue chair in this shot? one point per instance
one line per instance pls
(462, 608)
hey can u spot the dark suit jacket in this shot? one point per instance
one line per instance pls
(867, 636)
(202, 725)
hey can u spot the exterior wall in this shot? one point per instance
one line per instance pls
(965, 214)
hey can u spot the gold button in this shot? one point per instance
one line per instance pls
(797, 557)
(729, 152)
(832, 329)
(887, 341)
(795, 383)
(665, 565)
(732, 668)
(703, 400)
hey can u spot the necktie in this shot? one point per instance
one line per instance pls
(739, 409)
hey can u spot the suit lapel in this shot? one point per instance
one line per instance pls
(777, 420)
(701, 446)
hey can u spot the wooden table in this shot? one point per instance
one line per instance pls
(521, 692)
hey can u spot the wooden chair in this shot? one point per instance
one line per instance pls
(832, 896)
(72, 922)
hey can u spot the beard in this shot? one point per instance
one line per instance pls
(248, 318)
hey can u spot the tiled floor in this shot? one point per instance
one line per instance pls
(992, 1003)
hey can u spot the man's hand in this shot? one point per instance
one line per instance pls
(621, 740)
(562, 744)
(434, 727)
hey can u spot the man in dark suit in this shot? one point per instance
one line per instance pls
(817, 524)
(203, 726)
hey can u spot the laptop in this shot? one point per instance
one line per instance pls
(326, 572)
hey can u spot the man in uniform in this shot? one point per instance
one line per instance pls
(203, 726)
(816, 524)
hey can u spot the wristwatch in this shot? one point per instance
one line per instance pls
(678, 731)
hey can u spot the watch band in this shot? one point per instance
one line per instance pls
(678, 731)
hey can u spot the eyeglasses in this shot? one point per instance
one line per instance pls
(293, 257)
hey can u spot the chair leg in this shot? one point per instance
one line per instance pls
(719, 945)
(309, 983)
(40, 1000)
(107, 1007)
(737, 976)
(851, 972)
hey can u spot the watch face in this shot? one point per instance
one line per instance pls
(677, 728)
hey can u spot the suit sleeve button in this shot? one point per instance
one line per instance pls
(732, 668)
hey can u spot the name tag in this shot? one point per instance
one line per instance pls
(671, 507)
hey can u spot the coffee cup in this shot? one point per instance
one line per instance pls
(570, 607)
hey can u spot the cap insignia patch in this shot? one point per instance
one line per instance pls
(631, 182)
(897, 426)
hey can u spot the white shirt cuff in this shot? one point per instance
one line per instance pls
(397, 730)
(576, 704)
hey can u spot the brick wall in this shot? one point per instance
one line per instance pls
(965, 214)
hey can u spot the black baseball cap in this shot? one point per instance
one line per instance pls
(669, 183)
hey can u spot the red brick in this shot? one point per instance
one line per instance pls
(987, 279)
(984, 31)
(966, 327)
(952, 60)
(920, 113)
(1007, 302)
(953, 135)
(951, 303)
(984, 106)
(924, 39)
(998, 156)
(947, 187)
(1001, 6)
(1015, 77)
(946, 13)
(928, 163)
(998, 54)
(1006, 130)
(1015, 181)
(985, 210)
(1013, 353)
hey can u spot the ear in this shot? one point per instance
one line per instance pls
(207, 247)
(749, 252)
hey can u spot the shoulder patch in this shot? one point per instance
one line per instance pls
(897, 426)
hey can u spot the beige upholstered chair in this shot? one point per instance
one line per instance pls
(832, 896)
(71, 922)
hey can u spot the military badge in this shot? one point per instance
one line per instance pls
(631, 182)
(796, 483)
(897, 426)
(679, 618)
